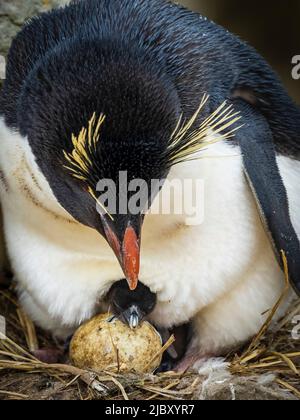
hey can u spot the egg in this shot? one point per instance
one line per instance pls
(106, 344)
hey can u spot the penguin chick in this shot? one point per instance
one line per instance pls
(131, 306)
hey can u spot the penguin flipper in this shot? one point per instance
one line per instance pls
(260, 165)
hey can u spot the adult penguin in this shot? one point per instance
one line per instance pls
(141, 87)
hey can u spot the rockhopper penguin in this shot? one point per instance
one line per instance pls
(137, 86)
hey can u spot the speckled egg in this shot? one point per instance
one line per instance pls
(106, 344)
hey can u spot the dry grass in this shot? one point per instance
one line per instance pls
(22, 376)
(273, 350)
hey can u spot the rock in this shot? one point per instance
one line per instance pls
(13, 13)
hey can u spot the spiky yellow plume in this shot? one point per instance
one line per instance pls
(84, 148)
(186, 141)
(79, 160)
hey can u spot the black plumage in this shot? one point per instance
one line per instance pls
(131, 306)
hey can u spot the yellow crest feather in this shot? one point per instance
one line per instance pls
(186, 142)
(84, 146)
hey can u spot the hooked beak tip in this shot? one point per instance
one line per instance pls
(132, 283)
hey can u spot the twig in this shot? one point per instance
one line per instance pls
(161, 351)
(289, 387)
(29, 330)
(14, 394)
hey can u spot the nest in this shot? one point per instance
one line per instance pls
(22, 376)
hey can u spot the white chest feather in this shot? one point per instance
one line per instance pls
(64, 269)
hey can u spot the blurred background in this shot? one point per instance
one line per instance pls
(273, 28)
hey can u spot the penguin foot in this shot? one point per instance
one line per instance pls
(59, 354)
(189, 361)
(49, 356)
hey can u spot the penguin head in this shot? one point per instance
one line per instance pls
(131, 306)
(93, 113)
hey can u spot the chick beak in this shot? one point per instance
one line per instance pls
(127, 251)
(134, 317)
(134, 321)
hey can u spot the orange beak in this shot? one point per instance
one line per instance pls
(131, 257)
(127, 252)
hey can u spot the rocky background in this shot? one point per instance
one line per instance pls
(13, 13)
(272, 27)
